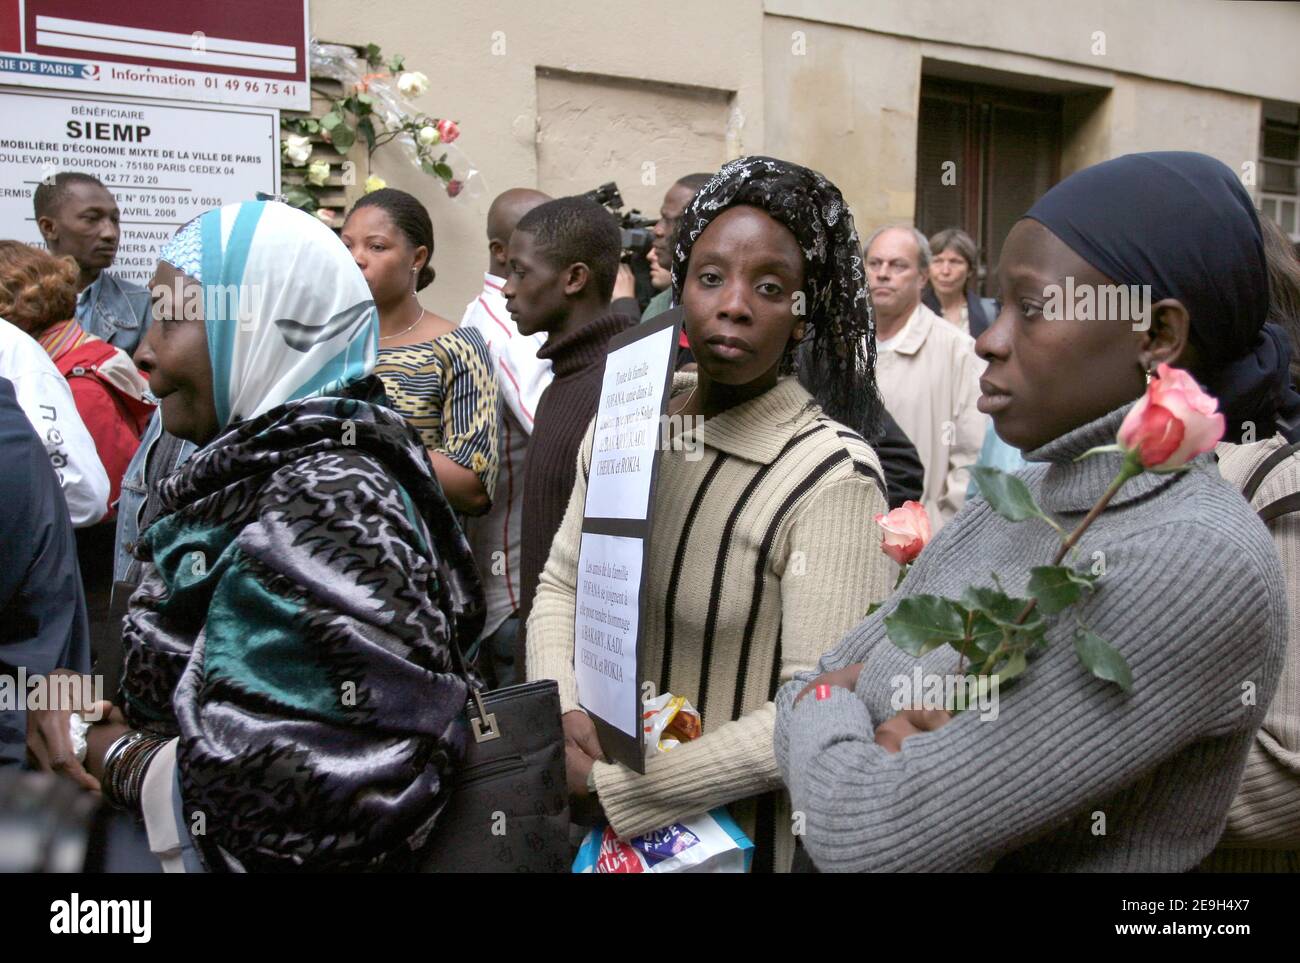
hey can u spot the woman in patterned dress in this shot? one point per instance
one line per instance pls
(290, 699)
(437, 375)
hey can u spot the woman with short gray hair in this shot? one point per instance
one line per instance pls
(954, 269)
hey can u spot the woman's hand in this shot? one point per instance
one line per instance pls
(891, 733)
(102, 735)
(577, 769)
(845, 678)
(624, 283)
(49, 737)
(581, 750)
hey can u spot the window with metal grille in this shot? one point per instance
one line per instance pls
(1279, 166)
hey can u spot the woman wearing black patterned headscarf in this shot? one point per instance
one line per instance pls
(762, 552)
(837, 360)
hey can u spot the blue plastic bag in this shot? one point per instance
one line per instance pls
(708, 843)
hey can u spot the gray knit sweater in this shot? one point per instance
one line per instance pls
(1073, 774)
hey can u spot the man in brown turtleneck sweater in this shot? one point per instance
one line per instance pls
(562, 262)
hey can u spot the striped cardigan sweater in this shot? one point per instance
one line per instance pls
(764, 552)
(1263, 831)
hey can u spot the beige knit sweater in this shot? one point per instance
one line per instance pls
(764, 552)
(1263, 831)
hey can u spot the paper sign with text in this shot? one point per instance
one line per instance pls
(627, 427)
(605, 628)
(616, 530)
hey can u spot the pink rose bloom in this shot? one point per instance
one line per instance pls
(907, 530)
(447, 130)
(453, 188)
(1172, 423)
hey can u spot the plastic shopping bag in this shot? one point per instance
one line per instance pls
(711, 843)
(708, 843)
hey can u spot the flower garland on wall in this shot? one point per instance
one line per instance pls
(375, 107)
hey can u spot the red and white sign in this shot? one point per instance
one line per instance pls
(231, 52)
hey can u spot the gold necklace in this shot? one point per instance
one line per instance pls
(387, 337)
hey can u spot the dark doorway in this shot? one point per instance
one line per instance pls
(984, 155)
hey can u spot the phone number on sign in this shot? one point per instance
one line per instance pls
(270, 87)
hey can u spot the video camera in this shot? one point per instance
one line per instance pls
(635, 233)
(634, 226)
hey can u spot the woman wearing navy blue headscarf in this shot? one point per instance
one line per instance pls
(1071, 772)
(1181, 225)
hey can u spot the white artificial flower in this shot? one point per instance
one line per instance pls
(429, 135)
(374, 183)
(318, 173)
(297, 148)
(412, 83)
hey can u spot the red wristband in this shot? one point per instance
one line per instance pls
(822, 692)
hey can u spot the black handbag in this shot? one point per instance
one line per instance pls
(509, 806)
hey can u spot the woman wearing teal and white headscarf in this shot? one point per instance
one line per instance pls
(306, 578)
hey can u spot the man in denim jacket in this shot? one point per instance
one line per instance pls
(78, 217)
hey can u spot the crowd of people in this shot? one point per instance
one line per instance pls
(291, 517)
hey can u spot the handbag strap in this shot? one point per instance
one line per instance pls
(1265, 467)
(485, 727)
(1283, 506)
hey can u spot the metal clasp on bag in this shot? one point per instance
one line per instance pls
(485, 726)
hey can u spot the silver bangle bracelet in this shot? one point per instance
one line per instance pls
(118, 746)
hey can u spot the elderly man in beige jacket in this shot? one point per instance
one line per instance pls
(927, 369)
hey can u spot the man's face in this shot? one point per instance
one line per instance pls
(534, 289)
(84, 225)
(670, 213)
(894, 274)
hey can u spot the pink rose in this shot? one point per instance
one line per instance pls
(907, 530)
(1172, 423)
(447, 130)
(454, 187)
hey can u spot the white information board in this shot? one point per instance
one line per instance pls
(617, 522)
(627, 428)
(163, 162)
(605, 628)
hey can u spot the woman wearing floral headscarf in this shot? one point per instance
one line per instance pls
(762, 549)
(306, 578)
